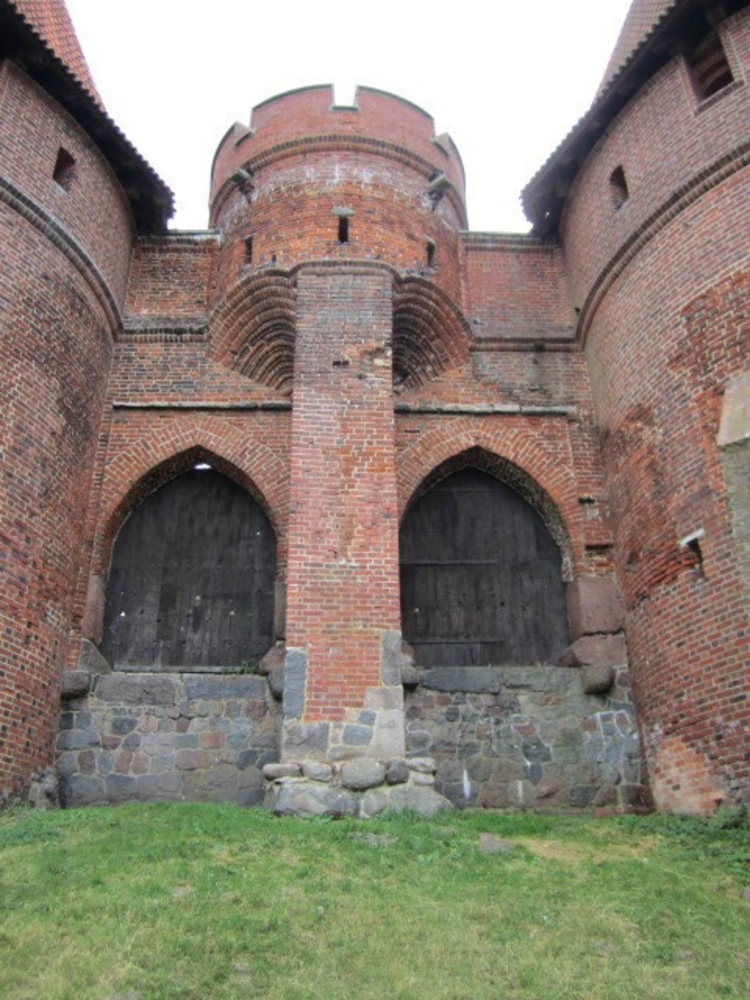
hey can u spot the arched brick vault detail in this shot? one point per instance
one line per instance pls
(253, 330)
(514, 455)
(430, 334)
(169, 451)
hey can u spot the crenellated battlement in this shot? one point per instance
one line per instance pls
(307, 121)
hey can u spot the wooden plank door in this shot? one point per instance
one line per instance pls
(481, 579)
(192, 579)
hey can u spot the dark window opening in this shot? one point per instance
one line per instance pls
(430, 253)
(343, 229)
(709, 67)
(64, 169)
(694, 552)
(249, 250)
(618, 187)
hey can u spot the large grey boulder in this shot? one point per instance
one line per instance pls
(301, 798)
(424, 801)
(362, 773)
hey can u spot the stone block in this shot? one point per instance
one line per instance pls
(155, 744)
(77, 739)
(122, 725)
(466, 679)
(136, 689)
(397, 772)
(374, 801)
(362, 773)
(221, 687)
(594, 606)
(276, 683)
(305, 739)
(597, 679)
(81, 790)
(217, 784)
(159, 787)
(274, 771)
(120, 787)
(273, 659)
(424, 765)
(356, 736)
(91, 660)
(596, 650)
(301, 798)
(295, 677)
(423, 801)
(391, 657)
(75, 684)
(317, 771)
(384, 698)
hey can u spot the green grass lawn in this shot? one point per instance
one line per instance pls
(200, 902)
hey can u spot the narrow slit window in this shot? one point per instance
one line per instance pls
(709, 67)
(430, 246)
(618, 187)
(64, 169)
(343, 229)
(249, 250)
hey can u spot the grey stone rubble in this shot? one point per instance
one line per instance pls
(527, 737)
(542, 737)
(358, 787)
(168, 737)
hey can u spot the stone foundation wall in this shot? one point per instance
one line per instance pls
(167, 737)
(526, 737)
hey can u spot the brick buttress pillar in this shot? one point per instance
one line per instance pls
(343, 697)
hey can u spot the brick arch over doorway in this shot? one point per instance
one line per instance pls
(164, 453)
(512, 455)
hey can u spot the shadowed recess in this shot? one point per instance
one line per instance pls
(430, 336)
(253, 330)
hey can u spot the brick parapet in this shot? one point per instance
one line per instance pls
(515, 289)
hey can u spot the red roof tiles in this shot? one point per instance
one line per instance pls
(51, 21)
(641, 19)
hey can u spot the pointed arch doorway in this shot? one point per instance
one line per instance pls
(191, 582)
(481, 577)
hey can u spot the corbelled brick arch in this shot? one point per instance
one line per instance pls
(513, 455)
(430, 335)
(253, 329)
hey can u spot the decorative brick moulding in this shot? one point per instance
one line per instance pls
(340, 507)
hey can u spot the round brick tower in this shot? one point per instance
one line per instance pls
(67, 230)
(654, 228)
(338, 275)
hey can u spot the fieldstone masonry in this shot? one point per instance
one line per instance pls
(168, 737)
(526, 737)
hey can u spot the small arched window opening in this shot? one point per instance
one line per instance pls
(709, 67)
(64, 171)
(343, 229)
(618, 187)
(191, 583)
(481, 577)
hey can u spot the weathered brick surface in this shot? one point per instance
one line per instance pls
(667, 324)
(337, 380)
(57, 335)
(343, 532)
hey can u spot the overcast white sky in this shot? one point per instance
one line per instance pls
(506, 80)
